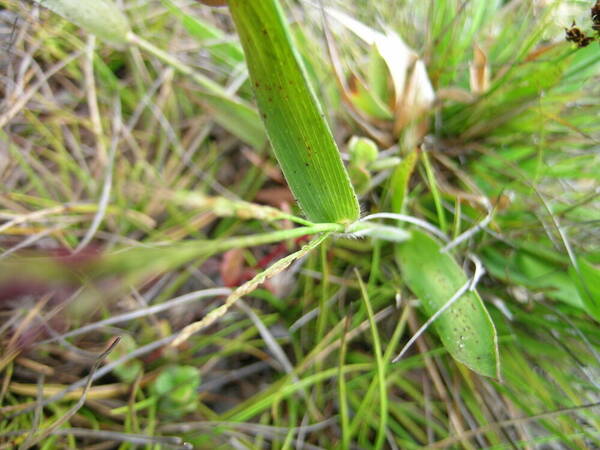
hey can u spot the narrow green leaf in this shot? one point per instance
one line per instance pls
(365, 99)
(399, 181)
(100, 17)
(435, 192)
(343, 391)
(378, 75)
(379, 364)
(466, 328)
(295, 123)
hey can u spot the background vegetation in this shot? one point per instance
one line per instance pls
(137, 190)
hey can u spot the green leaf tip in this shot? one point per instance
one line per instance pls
(298, 131)
(466, 328)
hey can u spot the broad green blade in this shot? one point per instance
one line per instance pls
(295, 123)
(399, 181)
(100, 17)
(466, 328)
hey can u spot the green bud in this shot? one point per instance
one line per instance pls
(363, 151)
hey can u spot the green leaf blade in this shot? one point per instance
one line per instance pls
(295, 123)
(466, 328)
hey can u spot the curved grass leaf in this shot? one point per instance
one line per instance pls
(466, 329)
(295, 123)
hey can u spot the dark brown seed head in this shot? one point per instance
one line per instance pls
(595, 13)
(585, 41)
(573, 34)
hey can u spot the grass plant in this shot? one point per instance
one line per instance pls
(272, 203)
